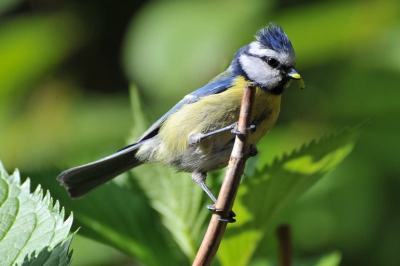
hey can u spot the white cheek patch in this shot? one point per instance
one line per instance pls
(259, 71)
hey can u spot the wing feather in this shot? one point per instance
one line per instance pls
(217, 85)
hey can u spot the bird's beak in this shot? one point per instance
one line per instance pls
(293, 74)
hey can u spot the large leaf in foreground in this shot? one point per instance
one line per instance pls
(262, 197)
(31, 227)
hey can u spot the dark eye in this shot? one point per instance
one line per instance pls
(273, 62)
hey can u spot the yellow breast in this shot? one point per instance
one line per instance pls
(214, 112)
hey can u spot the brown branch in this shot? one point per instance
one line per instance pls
(240, 153)
(285, 245)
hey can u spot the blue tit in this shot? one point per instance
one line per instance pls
(195, 135)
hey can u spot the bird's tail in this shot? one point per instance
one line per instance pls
(80, 180)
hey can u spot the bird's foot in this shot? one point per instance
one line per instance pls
(235, 131)
(228, 219)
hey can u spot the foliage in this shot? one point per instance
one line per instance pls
(264, 194)
(33, 230)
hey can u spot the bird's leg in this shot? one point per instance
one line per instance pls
(200, 178)
(196, 138)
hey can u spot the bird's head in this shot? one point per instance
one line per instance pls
(268, 61)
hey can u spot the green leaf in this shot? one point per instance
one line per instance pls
(263, 196)
(139, 118)
(50, 257)
(30, 223)
(179, 201)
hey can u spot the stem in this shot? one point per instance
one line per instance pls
(240, 153)
(285, 245)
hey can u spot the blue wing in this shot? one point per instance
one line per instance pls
(215, 87)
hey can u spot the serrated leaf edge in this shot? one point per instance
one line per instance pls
(314, 142)
(46, 200)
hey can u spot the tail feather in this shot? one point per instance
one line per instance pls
(80, 180)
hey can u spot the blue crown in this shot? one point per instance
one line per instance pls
(273, 37)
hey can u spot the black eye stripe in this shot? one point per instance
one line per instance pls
(271, 61)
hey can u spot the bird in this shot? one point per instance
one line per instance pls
(198, 133)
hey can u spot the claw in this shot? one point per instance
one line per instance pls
(228, 219)
(251, 128)
(237, 132)
(211, 207)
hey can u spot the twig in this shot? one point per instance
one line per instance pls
(227, 194)
(285, 245)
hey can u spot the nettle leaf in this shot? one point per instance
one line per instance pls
(32, 228)
(263, 196)
(50, 257)
(180, 203)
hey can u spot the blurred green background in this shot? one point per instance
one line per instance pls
(66, 66)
